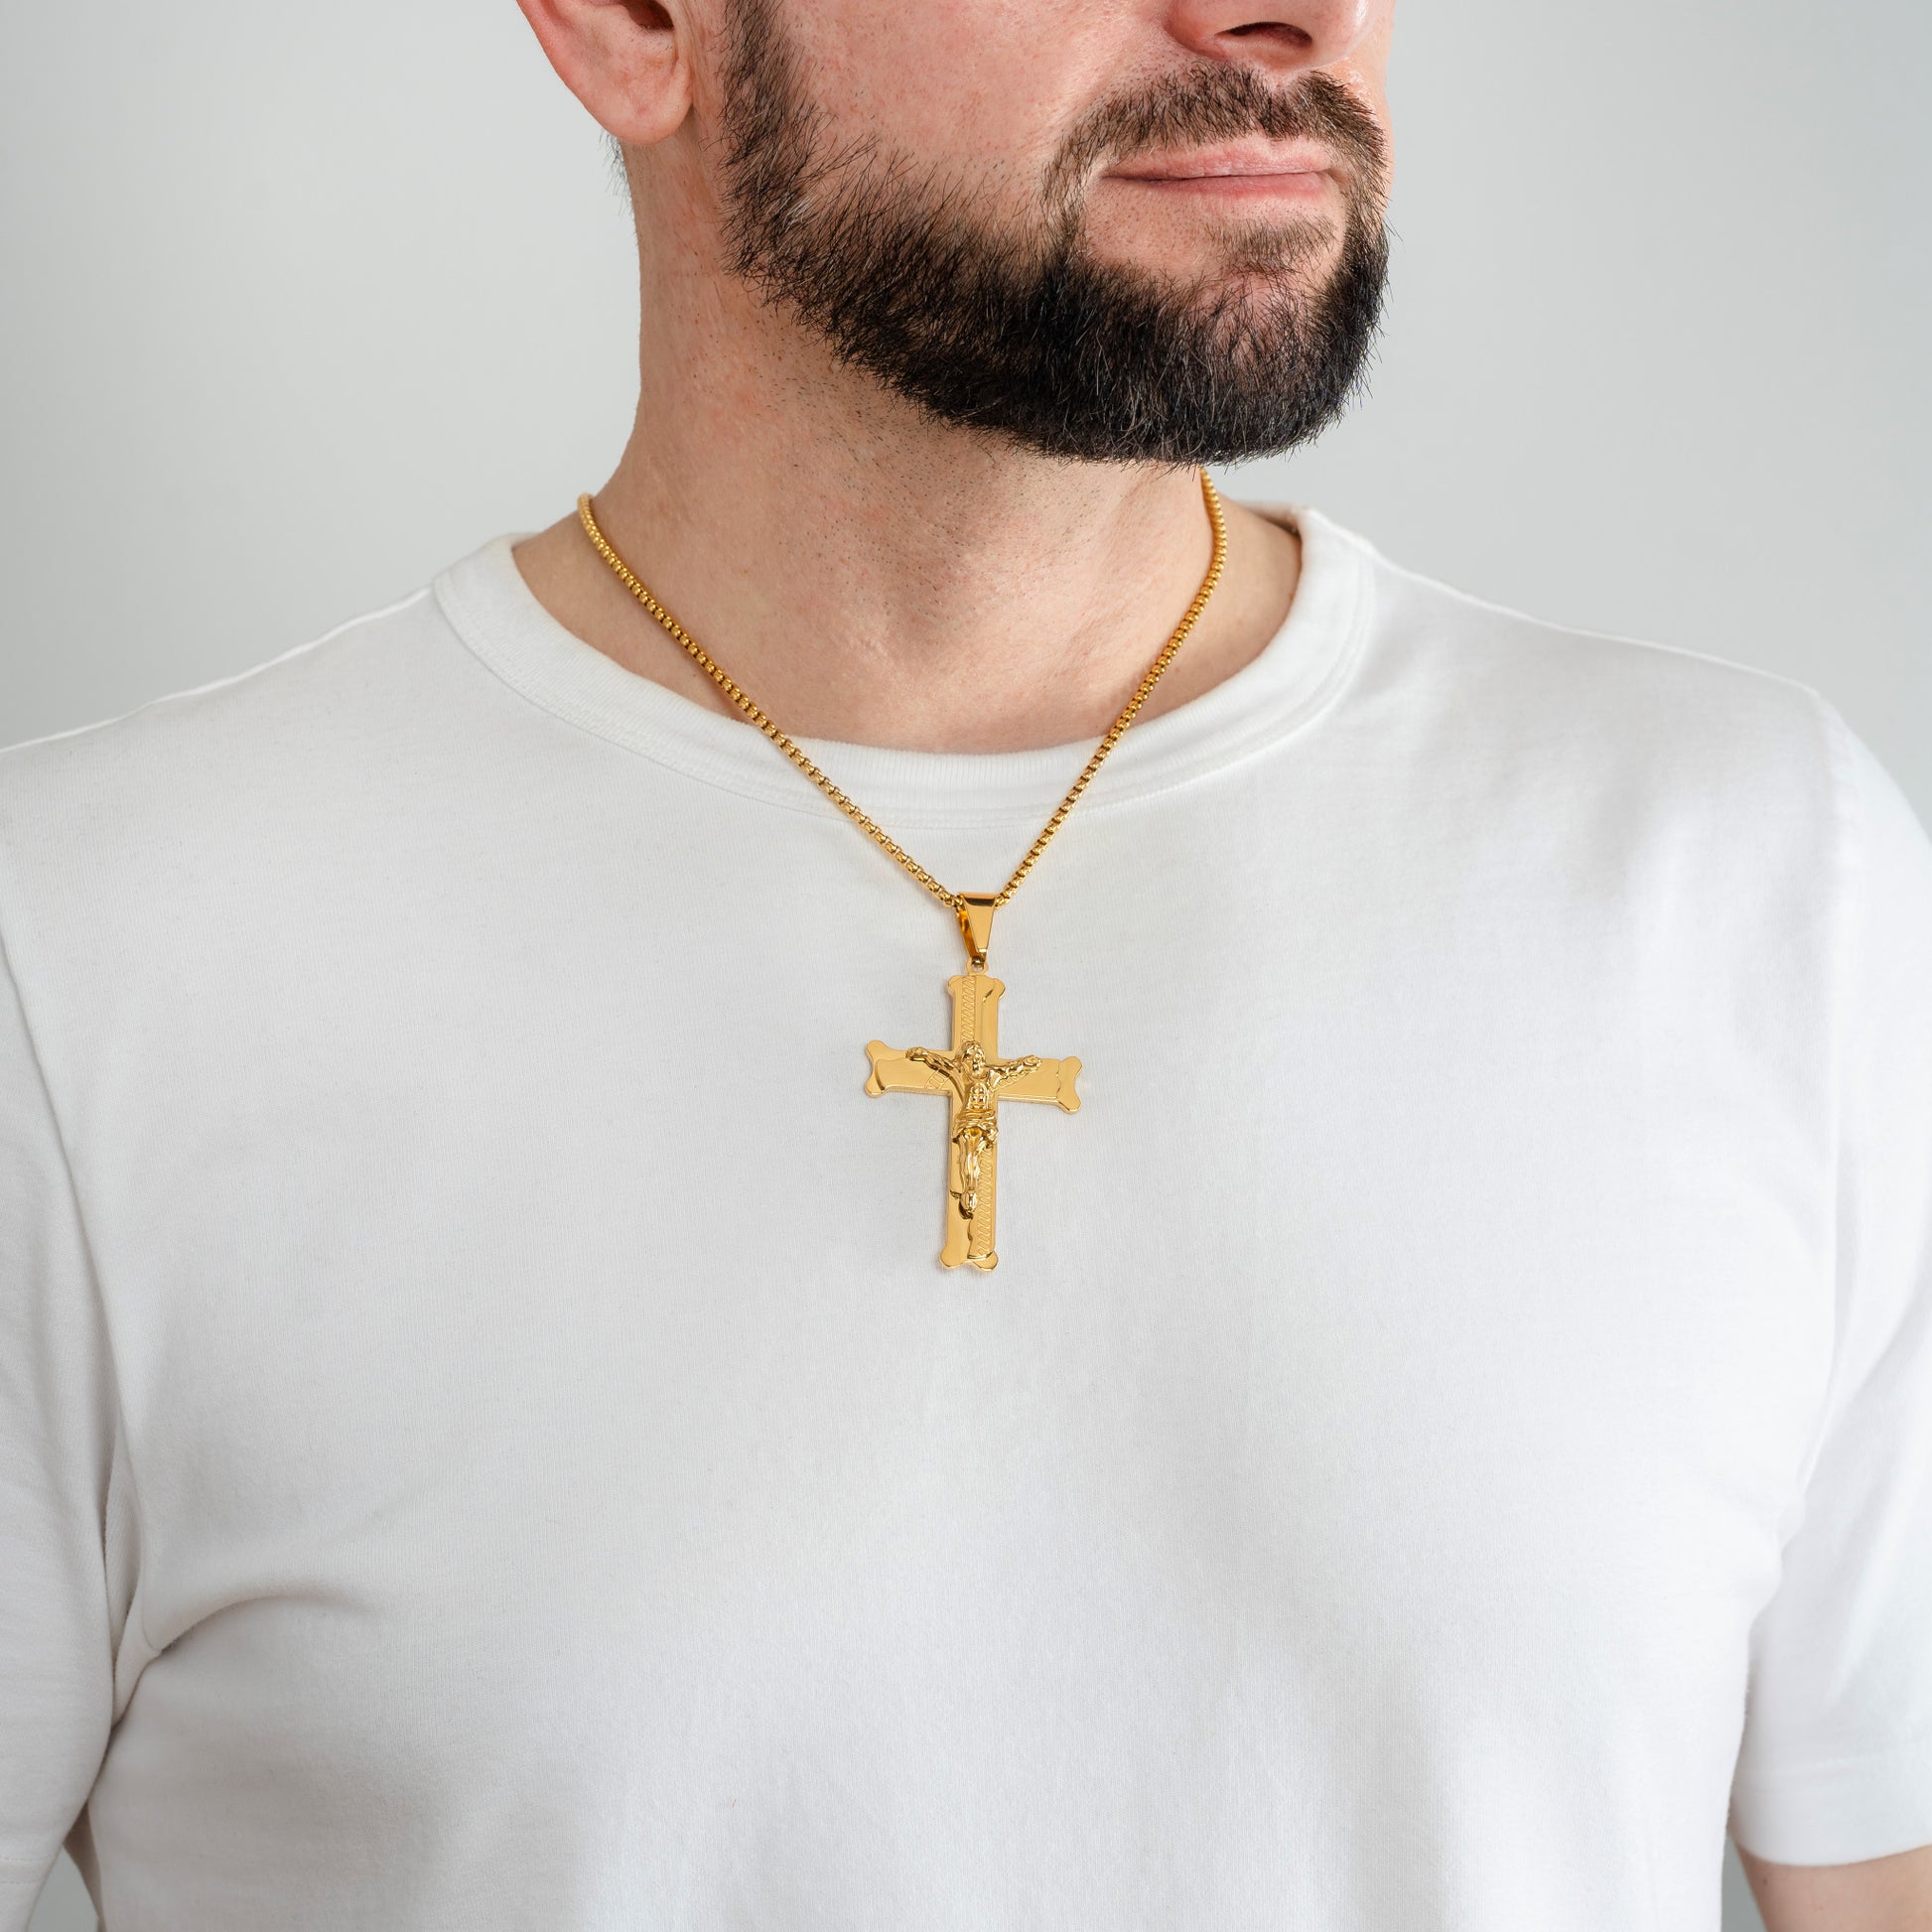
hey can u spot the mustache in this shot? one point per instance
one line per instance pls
(1220, 104)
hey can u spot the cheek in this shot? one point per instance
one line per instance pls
(983, 89)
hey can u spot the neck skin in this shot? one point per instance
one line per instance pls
(869, 576)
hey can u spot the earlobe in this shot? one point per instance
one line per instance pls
(626, 60)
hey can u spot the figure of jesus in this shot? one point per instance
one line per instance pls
(976, 1080)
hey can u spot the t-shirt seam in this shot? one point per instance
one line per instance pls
(12, 961)
(1586, 633)
(1844, 962)
(1913, 1741)
(220, 683)
(1315, 705)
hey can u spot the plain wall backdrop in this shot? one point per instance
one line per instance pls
(298, 307)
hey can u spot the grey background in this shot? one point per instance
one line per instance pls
(296, 313)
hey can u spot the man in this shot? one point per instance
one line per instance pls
(488, 1441)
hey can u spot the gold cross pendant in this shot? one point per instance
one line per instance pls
(974, 1080)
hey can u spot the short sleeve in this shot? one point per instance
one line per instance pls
(1836, 1763)
(58, 1437)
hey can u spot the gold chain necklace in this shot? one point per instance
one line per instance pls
(971, 1076)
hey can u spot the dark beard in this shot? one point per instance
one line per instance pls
(1028, 336)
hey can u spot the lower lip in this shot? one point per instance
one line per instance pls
(1242, 188)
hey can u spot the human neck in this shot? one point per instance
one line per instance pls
(871, 577)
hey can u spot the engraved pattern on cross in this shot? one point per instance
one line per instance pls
(974, 1080)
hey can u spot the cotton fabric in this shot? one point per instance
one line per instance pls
(486, 1441)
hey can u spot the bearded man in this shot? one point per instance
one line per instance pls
(511, 1417)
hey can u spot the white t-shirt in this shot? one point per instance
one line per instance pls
(487, 1441)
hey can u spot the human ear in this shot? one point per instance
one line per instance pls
(627, 61)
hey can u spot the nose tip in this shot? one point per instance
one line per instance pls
(1282, 35)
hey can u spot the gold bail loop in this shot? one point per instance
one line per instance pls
(975, 924)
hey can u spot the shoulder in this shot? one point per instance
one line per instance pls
(303, 685)
(208, 795)
(1500, 697)
(189, 736)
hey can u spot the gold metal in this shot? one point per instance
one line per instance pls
(976, 911)
(972, 1075)
(974, 1080)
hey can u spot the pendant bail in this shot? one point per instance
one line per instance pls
(976, 911)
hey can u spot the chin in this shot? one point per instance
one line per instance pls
(1251, 259)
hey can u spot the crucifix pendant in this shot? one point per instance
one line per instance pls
(974, 1080)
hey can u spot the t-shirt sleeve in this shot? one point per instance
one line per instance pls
(1836, 1763)
(57, 1439)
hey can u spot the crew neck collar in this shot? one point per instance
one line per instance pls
(1291, 681)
